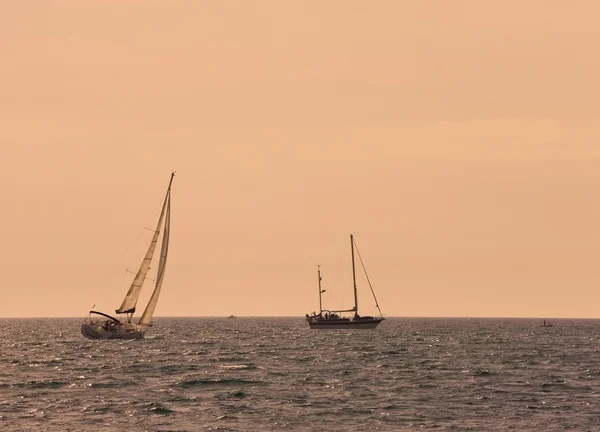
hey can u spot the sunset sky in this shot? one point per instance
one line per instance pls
(458, 140)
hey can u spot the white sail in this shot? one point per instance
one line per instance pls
(147, 316)
(130, 300)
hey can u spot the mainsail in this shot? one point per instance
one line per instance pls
(130, 300)
(147, 316)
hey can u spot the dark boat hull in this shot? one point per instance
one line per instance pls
(344, 323)
(94, 331)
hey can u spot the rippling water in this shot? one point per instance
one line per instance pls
(274, 374)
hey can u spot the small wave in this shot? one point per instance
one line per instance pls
(106, 408)
(211, 382)
(178, 368)
(555, 384)
(155, 337)
(226, 417)
(159, 409)
(237, 367)
(47, 384)
(230, 359)
(394, 352)
(112, 384)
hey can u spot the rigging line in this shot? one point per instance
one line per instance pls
(126, 250)
(313, 296)
(367, 275)
(135, 249)
(123, 280)
(118, 263)
(159, 205)
(156, 209)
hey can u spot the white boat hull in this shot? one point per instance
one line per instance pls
(97, 331)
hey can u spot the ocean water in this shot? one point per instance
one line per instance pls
(274, 374)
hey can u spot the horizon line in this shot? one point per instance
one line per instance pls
(302, 317)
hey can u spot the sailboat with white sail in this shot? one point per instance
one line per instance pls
(331, 319)
(99, 325)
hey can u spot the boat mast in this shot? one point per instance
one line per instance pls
(320, 290)
(354, 276)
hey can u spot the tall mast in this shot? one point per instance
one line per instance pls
(320, 291)
(354, 276)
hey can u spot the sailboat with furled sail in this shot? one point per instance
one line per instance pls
(99, 325)
(332, 319)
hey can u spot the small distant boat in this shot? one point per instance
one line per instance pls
(231, 316)
(109, 327)
(331, 319)
(547, 324)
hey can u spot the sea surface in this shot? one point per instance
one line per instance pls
(275, 374)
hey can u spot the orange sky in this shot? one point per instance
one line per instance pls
(458, 141)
